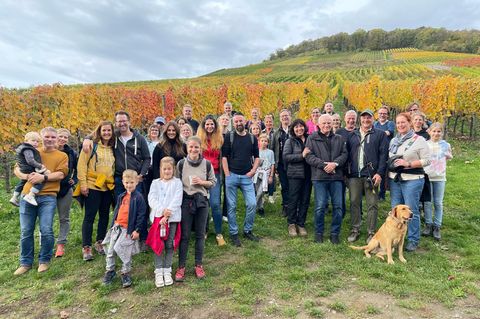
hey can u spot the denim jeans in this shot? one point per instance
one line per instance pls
(215, 196)
(45, 212)
(438, 189)
(408, 193)
(245, 183)
(322, 190)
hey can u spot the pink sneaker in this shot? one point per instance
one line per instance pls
(199, 272)
(180, 274)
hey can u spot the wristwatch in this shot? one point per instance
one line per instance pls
(45, 178)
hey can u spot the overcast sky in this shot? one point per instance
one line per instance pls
(91, 41)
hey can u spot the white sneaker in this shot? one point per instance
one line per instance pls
(30, 198)
(225, 219)
(167, 275)
(271, 200)
(14, 200)
(159, 282)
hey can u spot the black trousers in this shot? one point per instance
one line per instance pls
(299, 199)
(282, 175)
(96, 201)
(199, 219)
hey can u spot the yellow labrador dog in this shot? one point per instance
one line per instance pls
(391, 234)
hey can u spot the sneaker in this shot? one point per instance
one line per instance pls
(199, 272)
(250, 236)
(261, 212)
(43, 267)
(60, 251)
(14, 200)
(167, 277)
(271, 200)
(180, 274)
(220, 240)
(22, 270)
(354, 234)
(302, 231)
(369, 237)
(30, 198)
(126, 280)
(236, 241)
(318, 238)
(436, 233)
(87, 253)
(427, 231)
(99, 247)
(411, 247)
(159, 281)
(108, 277)
(292, 230)
(334, 239)
(225, 219)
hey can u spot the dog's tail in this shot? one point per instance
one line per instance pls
(359, 247)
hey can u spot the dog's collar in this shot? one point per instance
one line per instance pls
(399, 222)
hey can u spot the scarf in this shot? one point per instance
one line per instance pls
(196, 162)
(398, 140)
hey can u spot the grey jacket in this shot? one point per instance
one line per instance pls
(323, 148)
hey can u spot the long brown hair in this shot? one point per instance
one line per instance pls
(165, 143)
(97, 133)
(216, 139)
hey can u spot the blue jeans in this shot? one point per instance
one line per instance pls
(323, 190)
(45, 212)
(408, 193)
(438, 189)
(245, 183)
(215, 196)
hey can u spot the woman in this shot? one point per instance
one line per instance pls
(223, 121)
(170, 145)
(255, 129)
(186, 131)
(64, 196)
(299, 178)
(153, 137)
(181, 121)
(336, 122)
(408, 154)
(313, 121)
(196, 178)
(420, 125)
(212, 140)
(95, 176)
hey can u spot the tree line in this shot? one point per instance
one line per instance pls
(424, 38)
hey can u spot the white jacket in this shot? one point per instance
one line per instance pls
(166, 194)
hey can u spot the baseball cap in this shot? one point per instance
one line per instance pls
(160, 120)
(366, 112)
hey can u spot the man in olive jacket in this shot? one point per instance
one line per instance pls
(326, 152)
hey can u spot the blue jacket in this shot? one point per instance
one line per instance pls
(375, 153)
(136, 211)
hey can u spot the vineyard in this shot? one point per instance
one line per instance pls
(445, 84)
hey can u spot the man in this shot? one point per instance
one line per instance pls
(187, 114)
(328, 108)
(327, 154)
(350, 119)
(57, 163)
(280, 136)
(255, 119)
(160, 121)
(367, 160)
(240, 161)
(269, 130)
(384, 124)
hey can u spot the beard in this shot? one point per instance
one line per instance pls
(240, 128)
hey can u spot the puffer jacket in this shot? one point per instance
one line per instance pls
(326, 148)
(297, 167)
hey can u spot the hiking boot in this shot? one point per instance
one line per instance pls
(427, 231)
(334, 239)
(354, 234)
(99, 247)
(60, 250)
(436, 233)
(22, 270)
(302, 231)
(87, 253)
(250, 236)
(411, 247)
(292, 230)
(167, 276)
(108, 277)
(30, 198)
(159, 282)
(261, 212)
(126, 280)
(220, 240)
(236, 241)
(369, 237)
(180, 274)
(318, 238)
(43, 267)
(199, 272)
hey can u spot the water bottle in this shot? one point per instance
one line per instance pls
(163, 231)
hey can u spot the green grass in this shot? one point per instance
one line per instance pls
(279, 277)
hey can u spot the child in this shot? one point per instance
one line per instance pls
(197, 177)
(29, 161)
(122, 238)
(165, 200)
(440, 152)
(264, 174)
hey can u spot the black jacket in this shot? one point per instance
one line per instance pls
(375, 145)
(278, 143)
(297, 167)
(136, 211)
(135, 155)
(323, 149)
(72, 171)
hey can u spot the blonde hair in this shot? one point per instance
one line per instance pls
(32, 136)
(216, 138)
(64, 130)
(129, 174)
(194, 138)
(436, 125)
(167, 160)
(265, 136)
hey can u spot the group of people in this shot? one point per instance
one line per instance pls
(174, 177)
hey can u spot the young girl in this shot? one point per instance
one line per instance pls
(440, 152)
(264, 174)
(165, 200)
(197, 177)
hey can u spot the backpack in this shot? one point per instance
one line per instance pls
(182, 161)
(92, 153)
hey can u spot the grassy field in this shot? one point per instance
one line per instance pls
(276, 278)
